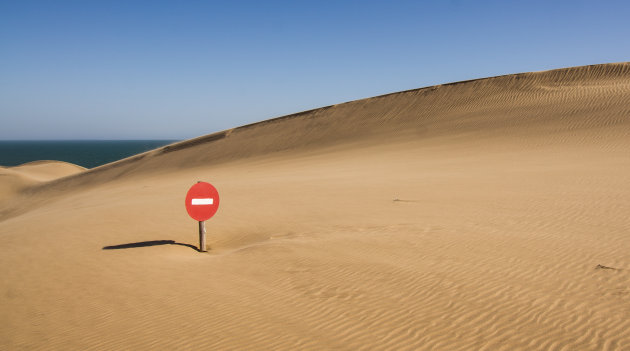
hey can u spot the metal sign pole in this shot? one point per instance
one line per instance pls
(202, 236)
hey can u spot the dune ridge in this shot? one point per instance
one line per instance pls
(17, 178)
(448, 109)
(473, 215)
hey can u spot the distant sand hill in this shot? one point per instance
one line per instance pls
(15, 179)
(490, 214)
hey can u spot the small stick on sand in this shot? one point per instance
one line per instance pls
(599, 266)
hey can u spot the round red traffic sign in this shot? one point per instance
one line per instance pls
(202, 201)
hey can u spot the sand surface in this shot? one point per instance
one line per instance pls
(15, 179)
(484, 215)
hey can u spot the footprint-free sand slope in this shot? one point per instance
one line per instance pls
(488, 215)
(15, 179)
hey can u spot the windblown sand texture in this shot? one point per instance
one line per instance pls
(491, 214)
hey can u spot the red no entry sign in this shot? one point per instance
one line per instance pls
(202, 201)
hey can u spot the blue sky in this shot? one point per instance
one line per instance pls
(180, 69)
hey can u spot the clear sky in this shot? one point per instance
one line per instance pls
(180, 69)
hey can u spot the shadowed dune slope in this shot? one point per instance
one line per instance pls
(536, 104)
(483, 215)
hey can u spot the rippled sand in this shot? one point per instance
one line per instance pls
(483, 215)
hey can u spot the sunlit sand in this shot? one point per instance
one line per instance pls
(483, 215)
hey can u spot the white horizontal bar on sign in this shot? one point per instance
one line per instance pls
(208, 201)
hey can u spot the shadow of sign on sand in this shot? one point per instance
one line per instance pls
(148, 243)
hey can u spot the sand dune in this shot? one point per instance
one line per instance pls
(15, 179)
(483, 215)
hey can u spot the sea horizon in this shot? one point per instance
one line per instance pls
(88, 153)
